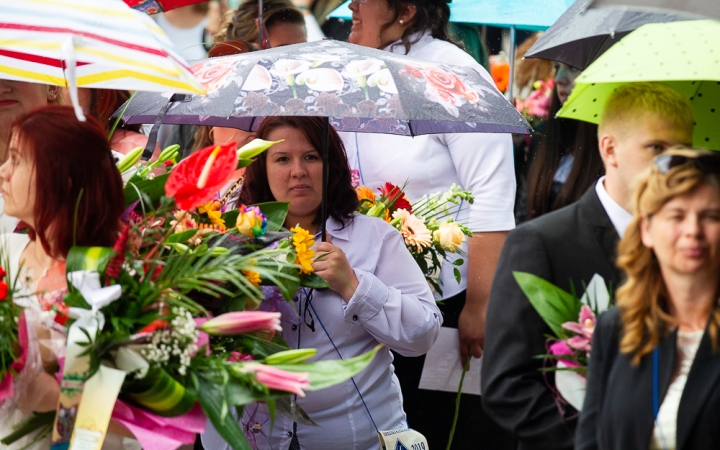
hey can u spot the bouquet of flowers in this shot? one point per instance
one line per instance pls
(429, 232)
(572, 321)
(12, 336)
(142, 348)
(536, 107)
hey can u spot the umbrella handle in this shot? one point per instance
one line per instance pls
(152, 137)
(324, 155)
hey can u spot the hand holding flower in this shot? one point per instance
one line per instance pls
(332, 266)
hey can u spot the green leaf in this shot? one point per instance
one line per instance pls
(88, 258)
(313, 281)
(329, 373)
(154, 189)
(211, 398)
(275, 213)
(242, 162)
(230, 217)
(456, 272)
(182, 237)
(255, 147)
(553, 304)
(38, 421)
(458, 262)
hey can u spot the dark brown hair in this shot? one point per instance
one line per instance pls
(74, 169)
(104, 102)
(432, 15)
(563, 136)
(342, 200)
(239, 24)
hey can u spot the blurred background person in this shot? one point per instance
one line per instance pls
(186, 27)
(479, 162)
(567, 161)
(654, 366)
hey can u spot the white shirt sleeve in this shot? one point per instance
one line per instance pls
(485, 166)
(395, 304)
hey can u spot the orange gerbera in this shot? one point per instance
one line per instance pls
(365, 193)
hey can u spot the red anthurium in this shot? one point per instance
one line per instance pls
(197, 178)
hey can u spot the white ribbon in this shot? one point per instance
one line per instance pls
(68, 51)
(88, 283)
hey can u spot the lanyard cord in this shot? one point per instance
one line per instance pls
(341, 357)
(656, 395)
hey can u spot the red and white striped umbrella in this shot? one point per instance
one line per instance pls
(157, 6)
(98, 44)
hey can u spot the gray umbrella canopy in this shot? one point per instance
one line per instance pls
(582, 33)
(701, 9)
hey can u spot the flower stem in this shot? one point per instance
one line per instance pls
(457, 403)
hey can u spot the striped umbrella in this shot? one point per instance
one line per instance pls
(156, 6)
(98, 44)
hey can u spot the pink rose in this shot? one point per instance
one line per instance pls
(212, 75)
(444, 81)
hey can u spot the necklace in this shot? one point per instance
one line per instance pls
(34, 254)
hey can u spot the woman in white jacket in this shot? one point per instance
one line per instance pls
(377, 295)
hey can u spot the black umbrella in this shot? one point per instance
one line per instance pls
(700, 9)
(355, 88)
(582, 34)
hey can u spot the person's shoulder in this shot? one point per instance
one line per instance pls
(609, 320)
(13, 241)
(445, 52)
(554, 223)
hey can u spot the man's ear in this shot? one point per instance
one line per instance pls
(608, 147)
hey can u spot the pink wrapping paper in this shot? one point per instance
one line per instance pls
(160, 433)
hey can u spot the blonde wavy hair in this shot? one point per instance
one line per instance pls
(643, 299)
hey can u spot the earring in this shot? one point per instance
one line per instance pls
(52, 95)
(401, 21)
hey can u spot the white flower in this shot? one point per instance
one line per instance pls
(259, 79)
(321, 79)
(285, 67)
(384, 81)
(362, 68)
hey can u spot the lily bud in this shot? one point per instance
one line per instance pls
(278, 379)
(242, 322)
(291, 356)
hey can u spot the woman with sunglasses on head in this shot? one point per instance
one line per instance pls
(479, 162)
(654, 372)
(377, 295)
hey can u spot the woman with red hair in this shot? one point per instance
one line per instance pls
(59, 179)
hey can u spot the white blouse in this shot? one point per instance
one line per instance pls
(665, 432)
(478, 162)
(392, 305)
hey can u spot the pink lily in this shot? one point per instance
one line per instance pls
(243, 322)
(579, 343)
(559, 348)
(278, 379)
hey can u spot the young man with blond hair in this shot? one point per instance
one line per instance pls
(567, 247)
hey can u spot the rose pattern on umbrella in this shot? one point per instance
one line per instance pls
(215, 75)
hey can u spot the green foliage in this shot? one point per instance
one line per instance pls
(553, 304)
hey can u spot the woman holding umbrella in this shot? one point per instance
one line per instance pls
(375, 297)
(481, 163)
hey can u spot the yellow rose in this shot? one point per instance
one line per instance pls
(449, 236)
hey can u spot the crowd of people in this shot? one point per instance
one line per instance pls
(629, 200)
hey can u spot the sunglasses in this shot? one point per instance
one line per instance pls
(704, 163)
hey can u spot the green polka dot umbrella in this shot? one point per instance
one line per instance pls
(684, 55)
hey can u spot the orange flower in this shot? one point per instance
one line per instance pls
(365, 193)
(501, 74)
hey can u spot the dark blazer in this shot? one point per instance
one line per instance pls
(565, 247)
(618, 414)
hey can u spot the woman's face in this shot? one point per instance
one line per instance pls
(18, 97)
(368, 19)
(17, 176)
(565, 80)
(685, 233)
(294, 171)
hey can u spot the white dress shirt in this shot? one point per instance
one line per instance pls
(479, 162)
(619, 216)
(393, 306)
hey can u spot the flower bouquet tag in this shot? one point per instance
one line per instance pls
(402, 440)
(96, 406)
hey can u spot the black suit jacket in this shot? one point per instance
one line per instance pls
(618, 414)
(565, 247)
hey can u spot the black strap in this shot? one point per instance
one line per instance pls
(152, 137)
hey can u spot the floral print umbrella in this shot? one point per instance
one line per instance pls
(360, 89)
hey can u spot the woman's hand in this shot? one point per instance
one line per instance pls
(332, 266)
